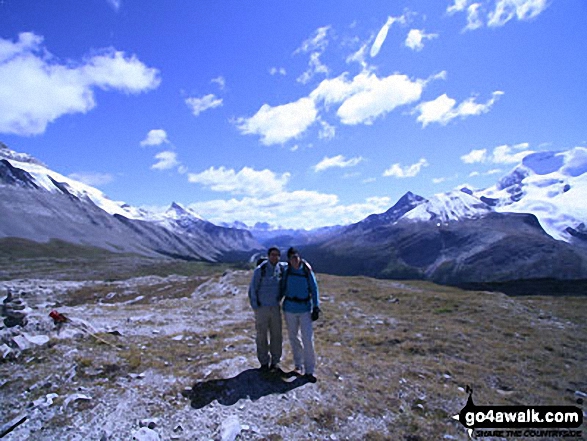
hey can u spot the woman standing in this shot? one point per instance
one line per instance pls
(301, 306)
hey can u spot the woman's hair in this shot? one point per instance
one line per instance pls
(292, 251)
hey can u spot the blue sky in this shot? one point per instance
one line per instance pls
(300, 114)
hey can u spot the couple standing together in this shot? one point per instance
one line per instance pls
(295, 283)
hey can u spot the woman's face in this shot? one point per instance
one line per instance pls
(295, 260)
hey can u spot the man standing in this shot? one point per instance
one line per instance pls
(301, 307)
(264, 296)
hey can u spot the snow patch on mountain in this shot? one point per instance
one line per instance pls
(447, 207)
(550, 185)
(6, 153)
(176, 217)
(54, 182)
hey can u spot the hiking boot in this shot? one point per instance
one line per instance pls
(264, 367)
(275, 368)
(311, 378)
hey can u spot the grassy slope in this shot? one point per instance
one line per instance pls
(21, 258)
(396, 353)
(409, 347)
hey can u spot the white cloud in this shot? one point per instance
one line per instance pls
(220, 81)
(505, 154)
(277, 125)
(359, 56)
(36, 89)
(415, 39)
(491, 172)
(316, 47)
(166, 160)
(247, 181)
(315, 66)
(337, 161)
(317, 43)
(442, 110)
(458, 6)
(363, 99)
(327, 131)
(474, 20)
(155, 137)
(296, 209)
(276, 71)
(506, 10)
(367, 97)
(410, 171)
(115, 4)
(112, 70)
(334, 90)
(199, 105)
(92, 179)
(475, 156)
(382, 35)
(378, 97)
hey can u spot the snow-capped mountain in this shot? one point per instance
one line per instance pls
(404, 205)
(530, 225)
(447, 207)
(23, 167)
(550, 185)
(40, 204)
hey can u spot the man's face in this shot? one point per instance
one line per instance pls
(295, 260)
(274, 257)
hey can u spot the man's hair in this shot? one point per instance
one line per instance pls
(273, 249)
(292, 251)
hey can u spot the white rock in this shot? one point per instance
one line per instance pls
(145, 434)
(46, 401)
(230, 428)
(75, 397)
(36, 339)
(22, 343)
(5, 350)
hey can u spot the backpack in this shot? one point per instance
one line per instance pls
(262, 261)
(307, 269)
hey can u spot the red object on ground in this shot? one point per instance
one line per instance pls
(57, 317)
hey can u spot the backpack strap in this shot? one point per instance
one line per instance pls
(263, 266)
(307, 269)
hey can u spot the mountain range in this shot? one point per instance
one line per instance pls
(39, 204)
(529, 225)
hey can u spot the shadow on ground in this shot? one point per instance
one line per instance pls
(251, 383)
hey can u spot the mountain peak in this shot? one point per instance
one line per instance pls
(404, 205)
(177, 208)
(178, 211)
(7, 153)
(446, 207)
